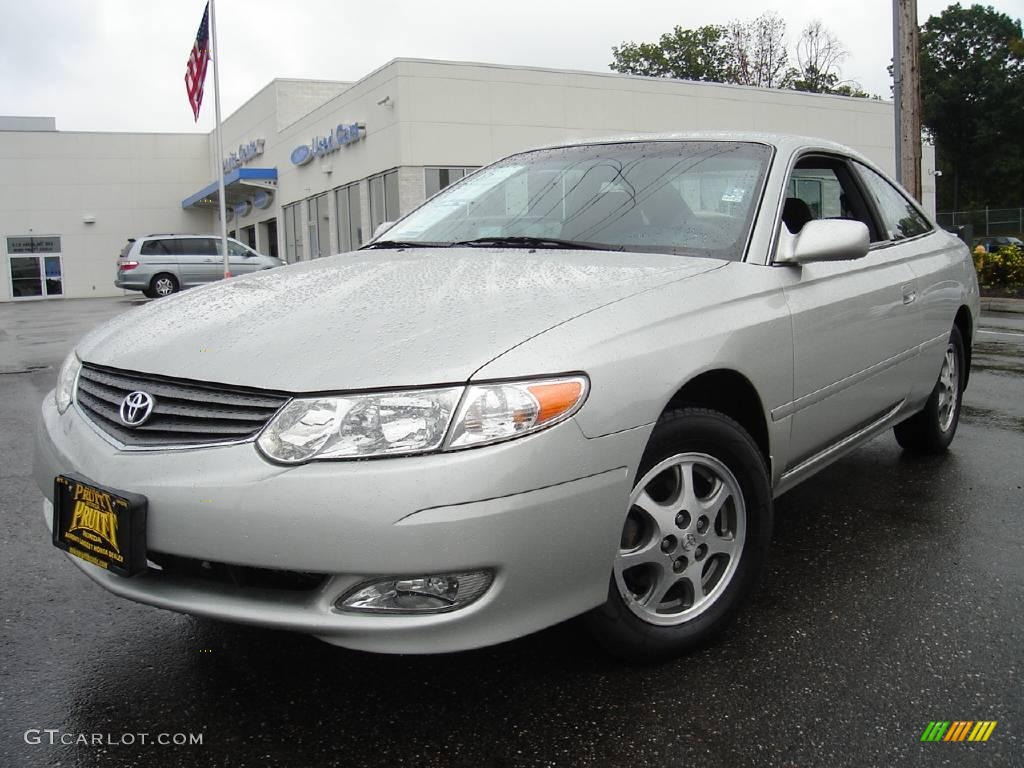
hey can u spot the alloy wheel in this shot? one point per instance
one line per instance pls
(682, 539)
(948, 385)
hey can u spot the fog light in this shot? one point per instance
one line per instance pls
(419, 594)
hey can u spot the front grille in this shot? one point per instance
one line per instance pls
(184, 412)
(242, 576)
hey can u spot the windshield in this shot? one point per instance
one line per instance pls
(689, 197)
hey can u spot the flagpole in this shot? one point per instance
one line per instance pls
(215, 59)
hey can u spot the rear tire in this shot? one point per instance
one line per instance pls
(694, 540)
(149, 293)
(932, 429)
(163, 284)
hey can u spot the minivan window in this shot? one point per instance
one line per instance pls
(196, 246)
(236, 249)
(156, 248)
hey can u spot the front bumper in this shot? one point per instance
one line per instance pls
(543, 512)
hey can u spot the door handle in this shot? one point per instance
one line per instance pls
(909, 294)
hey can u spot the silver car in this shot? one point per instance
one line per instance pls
(159, 265)
(571, 384)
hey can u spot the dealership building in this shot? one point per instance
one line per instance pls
(313, 167)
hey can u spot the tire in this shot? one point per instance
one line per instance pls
(164, 284)
(149, 293)
(932, 429)
(694, 455)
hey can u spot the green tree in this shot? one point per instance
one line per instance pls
(686, 54)
(972, 105)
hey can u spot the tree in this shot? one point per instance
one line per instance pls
(972, 99)
(818, 56)
(686, 54)
(744, 53)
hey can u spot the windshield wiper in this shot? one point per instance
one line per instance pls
(524, 241)
(401, 244)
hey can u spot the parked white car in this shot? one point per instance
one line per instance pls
(571, 384)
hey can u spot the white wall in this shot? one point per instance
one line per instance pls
(132, 183)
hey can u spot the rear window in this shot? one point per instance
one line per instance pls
(127, 248)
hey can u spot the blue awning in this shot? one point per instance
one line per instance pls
(239, 185)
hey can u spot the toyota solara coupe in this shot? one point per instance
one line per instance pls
(571, 384)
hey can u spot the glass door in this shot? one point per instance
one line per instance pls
(34, 265)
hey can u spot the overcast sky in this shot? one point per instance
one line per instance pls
(119, 64)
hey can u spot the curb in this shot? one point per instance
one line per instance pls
(999, 304)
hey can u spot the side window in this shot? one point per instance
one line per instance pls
(195, 246)
(237, 249)
(899, 216)
(823, 188)
(156, 248)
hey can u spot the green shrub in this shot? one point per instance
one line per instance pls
(1002, 269)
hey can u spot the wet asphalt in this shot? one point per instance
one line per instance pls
(894, 596)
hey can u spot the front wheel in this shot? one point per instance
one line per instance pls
(933, 428)
(694, 539)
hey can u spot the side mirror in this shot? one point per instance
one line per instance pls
(825, 240)
(383, 227)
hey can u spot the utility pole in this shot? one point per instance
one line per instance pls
(906, 75)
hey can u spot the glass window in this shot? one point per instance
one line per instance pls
(292, 233)
(318, 221)
(237, 249)
(688, 197)
(383, 199)
(899, 216)
(350, 217)
(33, 244)
(438, 178)
(195, 246)
(155, 248)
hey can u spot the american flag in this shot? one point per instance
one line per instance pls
(195, 70)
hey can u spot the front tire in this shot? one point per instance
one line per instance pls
(932, 429)
(694, 540)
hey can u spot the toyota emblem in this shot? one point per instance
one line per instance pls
(136, 408)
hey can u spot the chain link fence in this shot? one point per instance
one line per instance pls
(985, 222)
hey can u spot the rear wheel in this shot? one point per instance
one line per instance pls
(932, 429)
(163, 284)
(694, 539)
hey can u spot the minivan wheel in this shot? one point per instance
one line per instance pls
(932, 429)
(163, 284)
(694, 539)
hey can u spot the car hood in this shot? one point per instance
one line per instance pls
(374, 318)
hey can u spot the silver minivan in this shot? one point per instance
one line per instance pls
(159, 265)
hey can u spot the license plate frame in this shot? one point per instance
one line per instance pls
(100, 525)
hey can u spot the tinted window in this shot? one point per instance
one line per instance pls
(197, 246)
(899, 217)
(156, 248)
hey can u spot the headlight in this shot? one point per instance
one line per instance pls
(503, 410)
(407, 422)
(359, 426)
(66, 380)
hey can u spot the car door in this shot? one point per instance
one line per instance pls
(938, 263)
(242, 260)
(197, 260)
(854, 331)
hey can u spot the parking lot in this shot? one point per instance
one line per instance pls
(893, 598)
